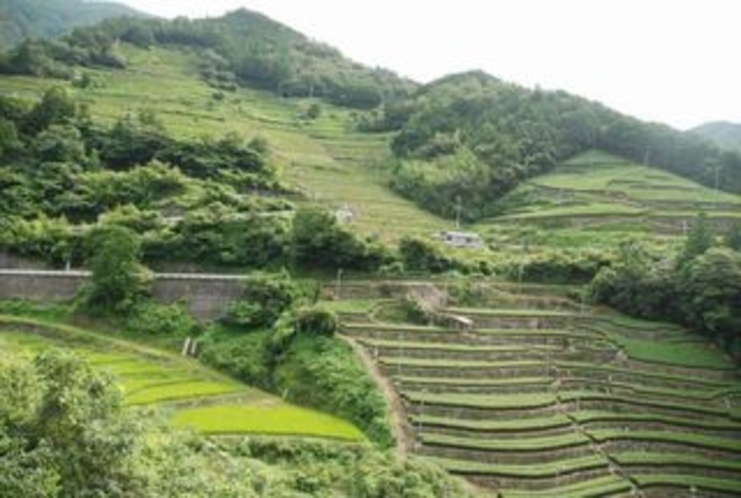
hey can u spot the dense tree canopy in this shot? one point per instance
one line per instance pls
(701, 289)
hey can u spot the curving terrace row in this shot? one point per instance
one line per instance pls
(535, 400)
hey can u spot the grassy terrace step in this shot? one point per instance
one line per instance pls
(501, 403)
(682, 438)
(173, 392)
(283, 420)
(544, 470)
(404, 331)
(443, 382)
(584, 418)
(587, 416)
(656, 459)
(585, 396)
(444, 346)
(538, 400)
(439, 365)
(504, 401)
(687, 355)
(531, 444)
(493, 426)
(730, 486)
(598, 487)
(545, 444)
(515, 312)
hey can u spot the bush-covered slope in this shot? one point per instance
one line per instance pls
(465, 140)
(242, 47)
(21, 19)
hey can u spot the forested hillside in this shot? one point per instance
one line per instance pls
(471, 136)
(467, 136)
(239, 48)
(723, 134)
(22, 19)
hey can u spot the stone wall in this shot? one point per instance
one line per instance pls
(205, 296)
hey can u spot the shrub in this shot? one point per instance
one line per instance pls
(423, 256)
(318, 241)
(264, 298)
(316, 321)
(147, 317)
(244, 356)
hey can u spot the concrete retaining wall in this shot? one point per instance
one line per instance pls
(205, 296)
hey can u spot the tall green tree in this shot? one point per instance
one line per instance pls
(711, 289)
(55, 107)
(732, 237)
(699, 240)
(118, 278)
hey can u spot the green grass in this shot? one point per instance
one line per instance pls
(495, 401)
(581, 366)
(614, 175)
(266, 419)
(542, 470)
(181, 391)
(596, 200)
(452, 347)
(597, 209)
(152, 377)
(325, 158)
(524, 313)
(352, 305)
(684, 438)
(700, 355)
(486, 425)
(732, 486)
(601, 486)
(531, 444)
(620, 418)
(678, 459)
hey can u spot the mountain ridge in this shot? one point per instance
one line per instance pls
(22, 19)
(724, 134)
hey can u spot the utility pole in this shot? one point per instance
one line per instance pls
(458, 208)
(338, 284)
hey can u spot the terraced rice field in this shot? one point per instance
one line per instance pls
(595, 189)
(549, 398)
(193, 395)
(325, 159)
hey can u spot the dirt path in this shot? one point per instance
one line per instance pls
(397, 416)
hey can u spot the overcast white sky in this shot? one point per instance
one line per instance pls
(675, 62)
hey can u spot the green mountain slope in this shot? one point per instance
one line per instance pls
(459, 143)
(321, 161)
(21, 19)
(465, 140)
(722, 133)
(242, 47)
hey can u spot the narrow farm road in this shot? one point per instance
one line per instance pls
(396, 414)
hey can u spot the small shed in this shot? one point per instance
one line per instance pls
(462, 239)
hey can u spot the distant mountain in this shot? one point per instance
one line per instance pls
(21, 19)
(724, 134)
